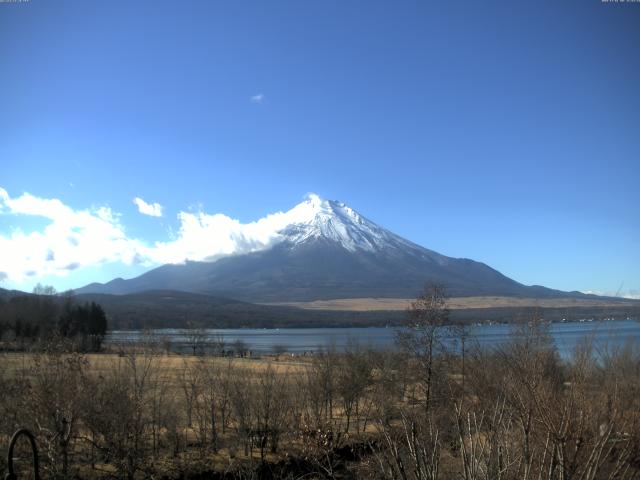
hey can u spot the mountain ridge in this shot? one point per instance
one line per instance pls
(326, 250)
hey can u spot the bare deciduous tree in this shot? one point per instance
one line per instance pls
(55, 403)
(422, 337)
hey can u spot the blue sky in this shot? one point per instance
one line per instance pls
(506, 132)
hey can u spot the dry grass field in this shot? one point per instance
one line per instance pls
(16, 362)
(178, 383)
(454, 303)
(143, 413)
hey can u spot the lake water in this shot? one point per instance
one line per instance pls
(299, 340)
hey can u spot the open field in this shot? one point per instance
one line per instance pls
(166, 399)
(142, 413)
(172, 365)
(455, 303)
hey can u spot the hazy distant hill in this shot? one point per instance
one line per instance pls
(332, 252)
(163, 309)
(175, 309)
(8, 294)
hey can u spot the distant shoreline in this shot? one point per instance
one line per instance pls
(164, 330)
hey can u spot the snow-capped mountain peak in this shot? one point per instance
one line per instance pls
(319, 219)
(320, 249)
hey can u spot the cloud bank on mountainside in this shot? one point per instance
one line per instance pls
(74, 239)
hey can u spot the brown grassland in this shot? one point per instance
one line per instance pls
(417, 412)
(454, 303)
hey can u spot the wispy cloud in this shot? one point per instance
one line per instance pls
(75, 239)
(151, 209)
(259, 98)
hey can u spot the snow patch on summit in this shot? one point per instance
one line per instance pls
(207, 238)
(317, 218)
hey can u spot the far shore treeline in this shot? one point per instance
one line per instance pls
(44, 315)
(46, 311)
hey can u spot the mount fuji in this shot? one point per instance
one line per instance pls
(326, 250)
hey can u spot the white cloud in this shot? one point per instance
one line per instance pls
(74, 239)
(205, 237)
(71, 240)
(151, 209)
(259, 98)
